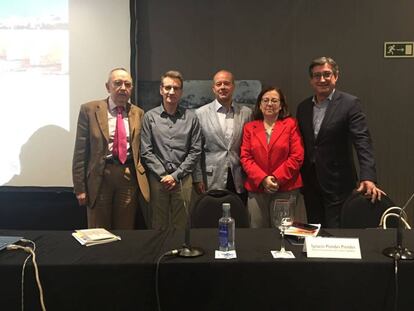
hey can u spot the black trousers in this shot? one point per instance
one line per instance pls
(231, 187)
(322, 207)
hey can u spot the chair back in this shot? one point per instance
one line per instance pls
(359, 212)
(208, 209)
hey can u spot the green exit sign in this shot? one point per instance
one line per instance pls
(398, 49)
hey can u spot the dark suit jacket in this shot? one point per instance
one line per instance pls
(344, 125)
(91, 148)
(282, 157)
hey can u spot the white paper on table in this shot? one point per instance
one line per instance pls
(285, 254)
(225, 255)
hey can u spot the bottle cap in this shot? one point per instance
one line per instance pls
(226, 207)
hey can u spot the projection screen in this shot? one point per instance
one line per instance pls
(54, 56)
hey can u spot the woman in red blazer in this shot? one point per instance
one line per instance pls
(271, 155)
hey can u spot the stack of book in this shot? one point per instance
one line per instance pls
(94, 236)
(302, 230)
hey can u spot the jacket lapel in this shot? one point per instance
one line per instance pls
(260, 133)
(237, 124)
(308, 121)
(102, 118)
(330, 111)
(132, 121)
(215, 124)
(278, 129)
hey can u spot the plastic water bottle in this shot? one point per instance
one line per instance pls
(226, 230)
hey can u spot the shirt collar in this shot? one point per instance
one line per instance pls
(112, 105)
(220, 108)
(328, 99)
(178, 113)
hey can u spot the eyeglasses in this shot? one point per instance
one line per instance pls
(272, 101)
(324, 74)
(168, 88)
(119, 83)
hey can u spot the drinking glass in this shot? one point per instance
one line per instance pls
(282, 216)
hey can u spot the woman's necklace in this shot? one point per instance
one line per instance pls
(268, 128)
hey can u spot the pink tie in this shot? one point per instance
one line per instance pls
(119, 149)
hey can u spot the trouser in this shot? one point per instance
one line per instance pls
(259, 206)
(231, 187)
(117, 201)
(170, 208)
(321, 206)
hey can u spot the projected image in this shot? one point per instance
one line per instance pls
(34, 79)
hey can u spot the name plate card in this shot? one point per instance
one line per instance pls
(322, 247)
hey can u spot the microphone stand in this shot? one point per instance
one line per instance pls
(187, 250)
(399, 252)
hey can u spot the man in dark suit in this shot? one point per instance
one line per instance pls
(331, 122)
(107, 173)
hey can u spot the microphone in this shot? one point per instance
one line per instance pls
(399, 252)
(187, 250)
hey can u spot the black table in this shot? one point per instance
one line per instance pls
(121, 275)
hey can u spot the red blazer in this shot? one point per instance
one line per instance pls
(282, 157)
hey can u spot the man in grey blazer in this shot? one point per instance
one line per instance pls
(107, 184)
(222, 123)
(332, 123)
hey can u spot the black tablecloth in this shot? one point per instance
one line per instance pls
(121, 275)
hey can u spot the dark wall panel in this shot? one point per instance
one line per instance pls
(274, 41)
